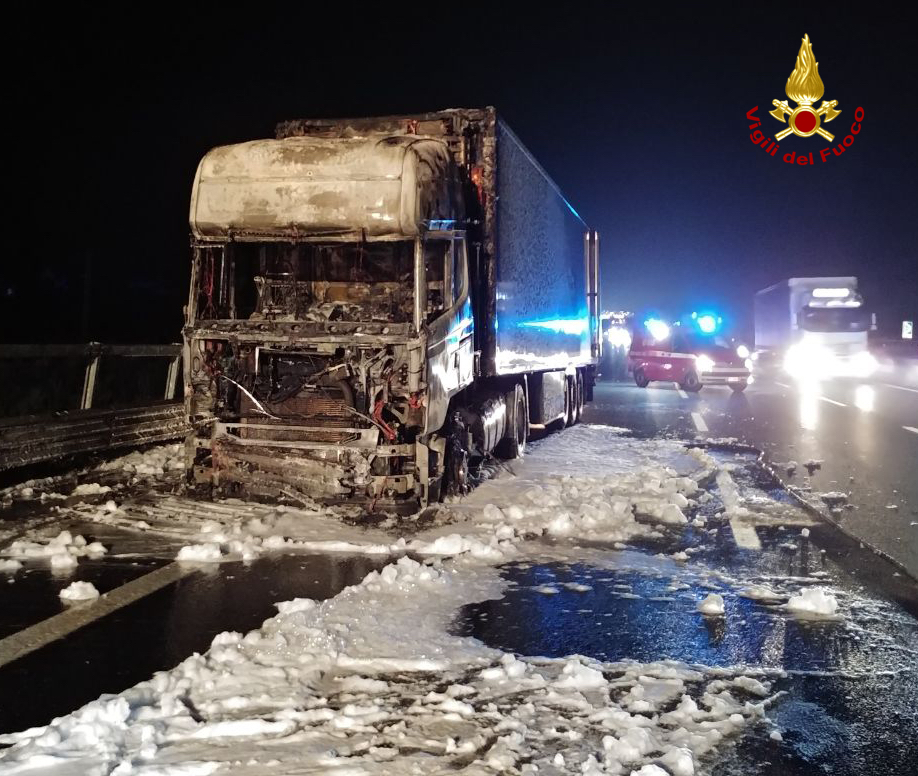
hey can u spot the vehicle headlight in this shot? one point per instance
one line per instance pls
(704, 363)
(806, 360)
(865, 364)
(619, 337)
(742, 351)
(748, 364)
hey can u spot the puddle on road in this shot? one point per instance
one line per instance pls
(164, 628)
(851, 681)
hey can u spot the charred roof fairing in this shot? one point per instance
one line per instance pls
(381, 187)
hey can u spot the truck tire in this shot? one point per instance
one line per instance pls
(640, 379)
(738, 387)
(690, 382)
(456, 460)
(514, 443)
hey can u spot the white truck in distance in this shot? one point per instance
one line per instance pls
(815, 327)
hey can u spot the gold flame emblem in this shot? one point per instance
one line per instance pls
(805, 87)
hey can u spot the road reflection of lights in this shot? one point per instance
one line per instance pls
(809, 405)
(864, 398)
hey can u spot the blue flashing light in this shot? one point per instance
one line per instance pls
(707, 323)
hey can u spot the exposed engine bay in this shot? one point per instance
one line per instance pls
(331, 422)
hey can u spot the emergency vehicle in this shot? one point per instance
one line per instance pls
(677, 354)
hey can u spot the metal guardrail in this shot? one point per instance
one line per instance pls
(38, 438)
(27, 441)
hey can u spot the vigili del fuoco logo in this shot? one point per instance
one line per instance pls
(804, 87)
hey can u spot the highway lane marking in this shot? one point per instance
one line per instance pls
(682, 393)
(783, 385)
(699, 422)
(832, 401)
(744, 535)
(60, 625)
(901, 387)
(911, 428)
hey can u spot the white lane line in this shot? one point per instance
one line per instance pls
(744, 535)
(911, 428)
(682, 393)
(832, 401)
(783, 385)
(699, 422)
(47, 631)
(901, 387)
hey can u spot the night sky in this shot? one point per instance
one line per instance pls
(640, 118)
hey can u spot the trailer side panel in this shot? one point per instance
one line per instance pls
(542, 320)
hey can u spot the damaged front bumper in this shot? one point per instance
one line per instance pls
(289, 463)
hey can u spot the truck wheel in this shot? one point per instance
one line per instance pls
(738, 387)
(640, 378)
(514, 443)
(456, 461)
(690, 382)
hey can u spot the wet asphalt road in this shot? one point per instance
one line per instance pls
(851, 687)
(857, 431)
(153, 634)
(847, 688)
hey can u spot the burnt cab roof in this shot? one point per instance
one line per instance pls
(377, 186)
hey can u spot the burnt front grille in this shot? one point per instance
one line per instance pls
(306, 409)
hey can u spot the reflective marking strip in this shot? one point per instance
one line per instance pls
(682, 393)
(911, 428)
(699, 422)
(901, 387)
(47, 631)
(744, 535)
(832, 401)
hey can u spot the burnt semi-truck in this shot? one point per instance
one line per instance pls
(376, 304)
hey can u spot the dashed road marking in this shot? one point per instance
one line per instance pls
(832, 401)
(682, 393)
(901, 387)
(911, 428)
(744, 535)
(47, 631)
(783, 385)
(699, 422)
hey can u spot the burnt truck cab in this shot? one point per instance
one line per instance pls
(325, 275)
(342, 341)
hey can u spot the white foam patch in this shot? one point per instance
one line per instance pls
(79, 591)
(372, 681)
(814, 602)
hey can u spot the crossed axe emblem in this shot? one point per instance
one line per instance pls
(804, 120)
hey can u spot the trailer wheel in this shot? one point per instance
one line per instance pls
(570, 417)
(579, 392)
(640, 378)
(690, 382)
(514, 443)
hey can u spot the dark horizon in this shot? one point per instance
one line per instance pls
(641, 122)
